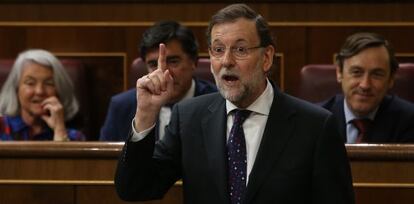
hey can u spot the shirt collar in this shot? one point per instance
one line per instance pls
(261, 105)
(349, 116)
(190, 93)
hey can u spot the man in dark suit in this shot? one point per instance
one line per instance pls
(250, 143)
(366, 67)
(182, 56)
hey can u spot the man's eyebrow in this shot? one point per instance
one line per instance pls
(355, 67)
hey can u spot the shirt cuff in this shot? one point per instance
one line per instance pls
(138, 136)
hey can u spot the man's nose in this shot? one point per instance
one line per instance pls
(365, 82)
(228, 58)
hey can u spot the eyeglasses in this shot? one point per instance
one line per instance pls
(239, 52)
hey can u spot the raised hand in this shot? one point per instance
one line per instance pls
(55, 118)
(153, 91)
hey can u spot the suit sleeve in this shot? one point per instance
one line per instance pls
(147, 169)
(332, 180)
(108, 130)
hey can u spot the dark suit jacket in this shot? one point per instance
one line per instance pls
(301, 158)
(393, 123)
(122, 109)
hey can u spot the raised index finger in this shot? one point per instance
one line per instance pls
(162, 60)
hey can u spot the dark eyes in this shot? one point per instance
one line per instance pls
(172, 63)
(360, 72)
(238, 51)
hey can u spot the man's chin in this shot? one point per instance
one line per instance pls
(363, 109)
(231, 95)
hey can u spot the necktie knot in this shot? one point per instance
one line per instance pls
(240, 116)
(362, 125)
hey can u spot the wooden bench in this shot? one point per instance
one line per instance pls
(82, 172)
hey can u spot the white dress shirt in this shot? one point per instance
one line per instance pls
(254, 125)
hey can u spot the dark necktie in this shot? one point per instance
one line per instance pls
(237, 161)
(362, 125)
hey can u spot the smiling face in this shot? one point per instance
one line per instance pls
(181, 67)
(35, 85)
(240, 80)
(366, 78)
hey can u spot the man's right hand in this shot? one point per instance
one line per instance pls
(153, 91)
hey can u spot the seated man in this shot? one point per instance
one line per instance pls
(182, 56)
(366, 68)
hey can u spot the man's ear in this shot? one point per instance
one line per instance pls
(195, 64)
(338, 74)
(269, 54)
(392, 80)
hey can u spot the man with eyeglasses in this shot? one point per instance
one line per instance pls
(181, 60)
(248, 144)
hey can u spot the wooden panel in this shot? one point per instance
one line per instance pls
(291, 41)
(105, 77)
(384, 195)
(82, 172)
(37, 194)
(297, 44)
(193, 11)
(76, 39)
(107, 194)
(12, 41)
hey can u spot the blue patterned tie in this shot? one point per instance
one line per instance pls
(237, 161)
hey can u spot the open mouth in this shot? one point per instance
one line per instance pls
(230, 78)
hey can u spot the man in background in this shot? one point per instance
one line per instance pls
(366, 67)
(181, 59)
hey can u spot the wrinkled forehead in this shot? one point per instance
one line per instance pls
(240, 30)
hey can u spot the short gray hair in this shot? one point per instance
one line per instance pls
(235, 11)
(9, 102)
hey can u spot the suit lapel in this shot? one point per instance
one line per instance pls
(379, 132)
(214, 134)
(276, 135)
(338, 111)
